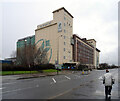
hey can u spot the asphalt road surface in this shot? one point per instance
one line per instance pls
(69, 86)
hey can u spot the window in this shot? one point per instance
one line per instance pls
(64, 57)
(64, 24)
(64, 37)
(68, 51)
(64, 49)
(64, 43)
(64, 31)
(64, 18)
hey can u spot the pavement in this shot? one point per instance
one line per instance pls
(67, 85)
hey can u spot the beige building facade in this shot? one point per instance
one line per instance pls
(96, 53)
(97, 58)
(55, 35)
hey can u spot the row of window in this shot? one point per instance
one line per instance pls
(80, 44)
(68, 20)
(85, 52)
(85, 61)
(65, 36)
(85, 49)
(85, 55)
(65, 30)
(67, 24)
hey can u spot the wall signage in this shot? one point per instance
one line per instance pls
(59, 27)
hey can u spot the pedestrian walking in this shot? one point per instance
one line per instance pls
(108, 81)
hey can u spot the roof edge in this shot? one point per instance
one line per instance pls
(91, 39)
(97, 50)
(46, 26)
(82, 40)
(64, 10)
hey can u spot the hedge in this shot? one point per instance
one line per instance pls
(10, 67)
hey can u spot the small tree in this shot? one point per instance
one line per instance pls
(104, 66)
(21, 56)
(30, 55)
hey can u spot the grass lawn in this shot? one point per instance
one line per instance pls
(25, 72)
(17, 72)
(49, 70)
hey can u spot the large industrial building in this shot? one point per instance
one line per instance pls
(26, 41)
(62, 45)
(85, 52)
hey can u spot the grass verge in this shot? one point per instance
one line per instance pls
(26, 72)
(49, 70)
(17, 72)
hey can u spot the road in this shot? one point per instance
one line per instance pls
(69, 86)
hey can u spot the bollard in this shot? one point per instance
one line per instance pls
(82, 72)
(89, 71)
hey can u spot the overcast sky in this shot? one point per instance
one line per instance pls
(93, 19)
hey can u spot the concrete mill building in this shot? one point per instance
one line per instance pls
(62, 45)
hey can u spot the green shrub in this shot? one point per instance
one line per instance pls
(10, 67)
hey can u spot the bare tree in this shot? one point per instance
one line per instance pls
(30, 55)
(21, 56)
(13, 54)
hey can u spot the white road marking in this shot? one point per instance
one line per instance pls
(77, 75)
(18, 90)
(100, 78)
(11, 91)
(54, 80)
(8, 83)
(2, 88)
(14, 82)
(37, 85)
(67, 77)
